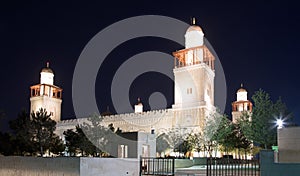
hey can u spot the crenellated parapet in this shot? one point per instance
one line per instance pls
(144, 121)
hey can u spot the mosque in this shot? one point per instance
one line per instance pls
(194, 76)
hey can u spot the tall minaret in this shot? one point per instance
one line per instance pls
(194, 77)
(241, 105)
(46, 95)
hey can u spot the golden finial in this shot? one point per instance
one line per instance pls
(241, 84)
(47, 64)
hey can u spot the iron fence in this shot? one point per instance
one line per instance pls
(232, 167)
(157, 166)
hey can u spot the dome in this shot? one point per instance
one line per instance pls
(194, 28)
(241, 90)
(47, 69)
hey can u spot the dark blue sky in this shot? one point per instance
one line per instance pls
(256, 41)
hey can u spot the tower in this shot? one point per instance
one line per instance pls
(138, 108)
(241, 105)
(46, 95)
(194, 79)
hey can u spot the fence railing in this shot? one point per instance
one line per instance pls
(157, 166)
(232, 167)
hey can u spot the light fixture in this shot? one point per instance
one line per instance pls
(279, 123)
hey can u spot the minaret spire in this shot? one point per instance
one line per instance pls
(193, 21)
(241, 84)
(139, 100)
(47, 64)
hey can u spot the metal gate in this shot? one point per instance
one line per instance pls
(157, 166)
(232, 167)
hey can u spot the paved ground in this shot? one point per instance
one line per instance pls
(191, 171)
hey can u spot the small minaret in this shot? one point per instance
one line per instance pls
(138, 108)
(241, 105)
(46, 95)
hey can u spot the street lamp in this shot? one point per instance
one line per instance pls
(279, 123)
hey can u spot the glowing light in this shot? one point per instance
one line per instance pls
(279, 123)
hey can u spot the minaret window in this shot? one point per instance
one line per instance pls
(189, 91)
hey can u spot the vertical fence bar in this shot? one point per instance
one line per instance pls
(156, 166)
(215, 166)
(173, 166)
(141, 164)
(207, 164)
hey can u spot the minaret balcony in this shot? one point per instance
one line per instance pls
(46, 90)
(194, 56)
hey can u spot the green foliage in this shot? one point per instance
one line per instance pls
(22, 136)
(216, 131)
(112, 128)
(7, 146)
(78, 143)
(42, 130)
(260, 126)
(240, 140)
(57, 147)
(175, 138)
(185, 147)
(91, 138)
(195, 141)
(96, 132)
(72, 141)
(35, 134)
(221, 133)
(162, 143)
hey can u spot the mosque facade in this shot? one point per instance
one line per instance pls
(194, 76)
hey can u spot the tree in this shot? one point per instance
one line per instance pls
(7, 146)
(162, 143)
(175, 137)
(260, 125)
(112, 128)
(42, 130)
(241, 143)
(22, 134)
(35, 134)
(104, 138)
(197, 142)
(78, 143)
(186, 147)
(72, 141)
(217, 131)
(224, 134)
(57, 146)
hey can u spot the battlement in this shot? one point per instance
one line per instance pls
(154, 114)
(145, 114)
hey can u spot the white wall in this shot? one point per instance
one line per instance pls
(109, 166)
(68, 166)
(37, 166)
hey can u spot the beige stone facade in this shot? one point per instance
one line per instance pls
(46, 95)
(193, 93)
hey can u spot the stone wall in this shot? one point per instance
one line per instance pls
(109, 166)
(67, 166)
(289, 145)
(36, 166)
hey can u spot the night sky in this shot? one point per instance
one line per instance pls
(256, 41)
